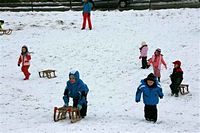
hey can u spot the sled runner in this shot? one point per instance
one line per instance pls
(6, 32)
(47, 73)
(62, 112)
(184, 89)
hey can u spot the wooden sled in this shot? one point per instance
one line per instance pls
(62, 112)
(184, 89)
(47, 73)
(6, 32)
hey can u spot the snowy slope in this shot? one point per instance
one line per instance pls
(107, 58)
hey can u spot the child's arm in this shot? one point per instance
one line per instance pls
(19, 60)
(28, 57)
(138, 93)
(160, 93)
(163, 62)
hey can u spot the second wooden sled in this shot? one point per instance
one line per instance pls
(47, 73)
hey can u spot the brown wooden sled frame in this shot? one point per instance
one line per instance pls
(184, 89)
(6, 32)
(61, 113)
(47, 73)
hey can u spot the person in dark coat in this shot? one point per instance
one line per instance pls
(152, 91)
(1, 23)
(77, 90)
(176, 78)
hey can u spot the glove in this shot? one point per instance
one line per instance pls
(137, 101)
(140, 57)
(18, 65)
(161, 97)
(165, 66)
(79, 107)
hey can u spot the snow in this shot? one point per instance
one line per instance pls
(107, 59)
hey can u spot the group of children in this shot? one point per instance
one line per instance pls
(150, 86)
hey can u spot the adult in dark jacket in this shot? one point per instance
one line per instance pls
(77, 90)
(151, 90)
(176, 78)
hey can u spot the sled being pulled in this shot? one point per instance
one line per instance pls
(6, 31)
(62, 112)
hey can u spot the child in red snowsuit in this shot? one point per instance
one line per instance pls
(25, 58)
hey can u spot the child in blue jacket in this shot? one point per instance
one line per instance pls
(151, 90)
(77, 90)
(87, 7)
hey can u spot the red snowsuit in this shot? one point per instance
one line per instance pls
(25, 60)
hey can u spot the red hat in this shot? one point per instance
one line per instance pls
(177, 62)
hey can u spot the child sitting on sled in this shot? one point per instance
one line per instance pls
(1, 24)
(24, 59)
(77, 90)
(151, 90)
(176, 78)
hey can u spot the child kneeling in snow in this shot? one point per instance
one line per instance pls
(77, 90)
(151, 92)
(176, 78)
(25, 58)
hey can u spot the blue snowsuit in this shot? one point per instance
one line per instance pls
(151, 96)
(78, 91)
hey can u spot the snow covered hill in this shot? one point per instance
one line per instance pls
(107, 58)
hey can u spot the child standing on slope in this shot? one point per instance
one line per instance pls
(24, 59)
(151, 90)
(87, 7)
(156, 61)
(143, 55)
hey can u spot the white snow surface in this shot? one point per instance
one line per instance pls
(107, 59)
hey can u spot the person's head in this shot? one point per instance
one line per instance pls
(158, 51)
(1, 22)
(150, 80)
(177, 64)
(85, 1)
(73, 76)
(143, 44)
(24, 49)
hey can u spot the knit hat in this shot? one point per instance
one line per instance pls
(177, 62)
(151, 77)
(143, 43)
(158, 50)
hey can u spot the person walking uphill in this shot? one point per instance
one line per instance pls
(176, 78)
(143, 55)
(156, 61)
(77, 90)
(25, 58)
(87, 7)
(151, 90)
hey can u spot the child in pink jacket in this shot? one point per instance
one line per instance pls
(143, 55)
(156, 61)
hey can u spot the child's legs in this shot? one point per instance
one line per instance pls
(84, 20)
(83, 111)
(153, 112)
(75, 102)
(89, 21)
(157, 73)
(147, 112)
(144, 62)
(25, 71)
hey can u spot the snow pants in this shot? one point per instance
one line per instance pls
(144, 62)
(86, 16)
(150, 112)
(156, 72)
(25, 71)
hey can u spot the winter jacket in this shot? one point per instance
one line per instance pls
(143, 51)
(177, 76)
(156, 61)
(78, 90)
(87, 7)
(24, 59)
(150, 94)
